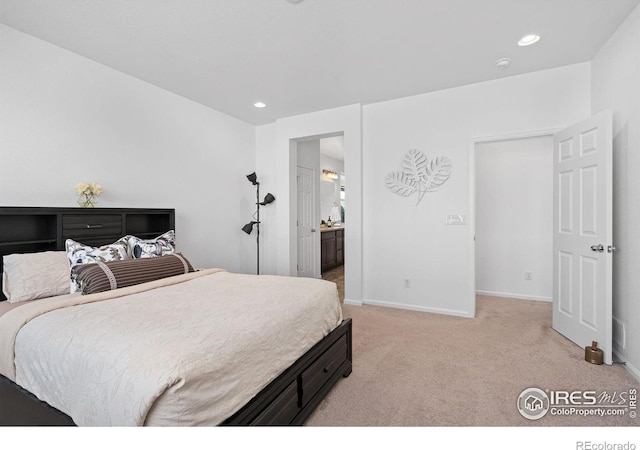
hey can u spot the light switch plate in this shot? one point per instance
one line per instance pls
(456, 219)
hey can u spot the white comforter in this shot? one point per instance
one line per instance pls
(189, 350)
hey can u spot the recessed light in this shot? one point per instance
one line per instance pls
(529, 39)
(503, 63)
(259, 105)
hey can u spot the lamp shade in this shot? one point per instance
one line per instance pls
(269, 198)
(248, 228)
(253, 178)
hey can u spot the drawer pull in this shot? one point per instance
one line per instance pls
(327, 368)
(98, 225)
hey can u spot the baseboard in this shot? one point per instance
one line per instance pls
(448, 312)
(633, 370)
(516, 296)
(617, 356)
(353, 302)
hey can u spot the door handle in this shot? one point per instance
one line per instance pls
(598, 248)
(313, 230)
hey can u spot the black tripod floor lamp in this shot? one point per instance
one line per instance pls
(248, 228)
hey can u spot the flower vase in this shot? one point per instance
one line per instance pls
(87, 201)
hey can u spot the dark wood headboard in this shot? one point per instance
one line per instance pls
(30, 229)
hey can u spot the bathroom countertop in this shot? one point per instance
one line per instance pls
(333, 228)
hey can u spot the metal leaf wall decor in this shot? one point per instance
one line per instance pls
(419, 174)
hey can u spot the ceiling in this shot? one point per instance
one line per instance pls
(333, 147)
(310, 55)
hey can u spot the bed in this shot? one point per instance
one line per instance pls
(256, 350)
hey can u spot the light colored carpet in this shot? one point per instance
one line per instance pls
(420, 369)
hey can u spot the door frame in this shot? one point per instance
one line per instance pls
(348, 121)
(472, 191)
(294, 203)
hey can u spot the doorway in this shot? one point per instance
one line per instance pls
(321, 214)
(514, 218)
(332, 206)
(581, 226)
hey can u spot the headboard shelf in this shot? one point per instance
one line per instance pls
(18, 243)
(35, 229)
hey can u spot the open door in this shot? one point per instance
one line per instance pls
(582, 235)
(307, 245)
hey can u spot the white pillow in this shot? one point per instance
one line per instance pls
(163, 245)
(78, 253)
(29, 276)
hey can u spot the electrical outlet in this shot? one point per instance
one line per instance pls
(407, 282)
(528, 276)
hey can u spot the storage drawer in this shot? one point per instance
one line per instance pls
(318, 373)
(326, 235)
(79, 226)
(282, 410)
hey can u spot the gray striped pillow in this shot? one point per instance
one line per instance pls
(105, 276)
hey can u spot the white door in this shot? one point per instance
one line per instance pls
(582, 243)
(306, 222)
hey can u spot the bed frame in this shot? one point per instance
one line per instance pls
(287, 400)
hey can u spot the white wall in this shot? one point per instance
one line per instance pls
(65, 119)
(390, 237)
(329, 189)
(268, 175)
(616, 86)
(514, 218)
(276, 153)
(404, 240)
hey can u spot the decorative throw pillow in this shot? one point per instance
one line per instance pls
(80, 254)
(111, 275)
(150, 248)
(29, 276)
